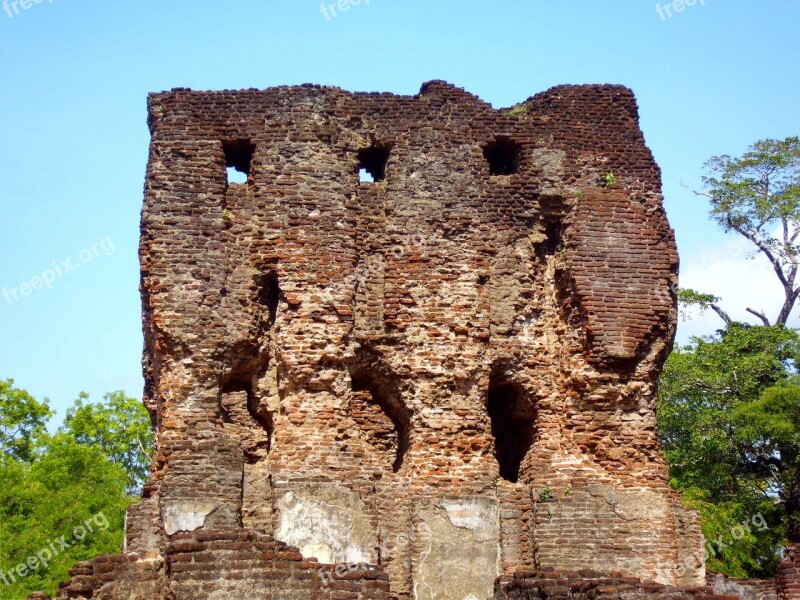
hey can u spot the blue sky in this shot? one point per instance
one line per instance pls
(74, 76)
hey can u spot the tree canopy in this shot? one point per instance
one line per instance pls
(728, 421)
(729, 404)
(22, 421)
(47, 507)
(63, 496)
(120, 426)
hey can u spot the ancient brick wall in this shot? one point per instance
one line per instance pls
(746, 589)
(223, 564)
(448, 372)
(788, 579)
(586, 585)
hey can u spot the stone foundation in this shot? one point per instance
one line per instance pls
(745, 589)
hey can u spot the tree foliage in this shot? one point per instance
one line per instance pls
(728, 411)
(769, 431)
(739, 539)
(46, 509)
(121, 427)
(22, 421)
(63, 497)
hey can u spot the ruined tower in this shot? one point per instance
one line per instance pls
(413, 351)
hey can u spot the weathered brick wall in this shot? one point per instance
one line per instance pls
(587, 585)
(117, 576)
(788, 579)
(231, 564)
(449, 372)
(745, 589)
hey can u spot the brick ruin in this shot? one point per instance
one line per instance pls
(412, 354)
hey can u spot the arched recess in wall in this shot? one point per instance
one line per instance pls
(252, 422)
(379, 412)
(242, 408)
(513, 421)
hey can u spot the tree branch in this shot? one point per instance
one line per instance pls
(785, 226)
(760, 315)
(776, 265)
(722, 314)
(787, 307)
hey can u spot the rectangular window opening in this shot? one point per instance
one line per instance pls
(372, 164)
(503, 156)
(238, 159)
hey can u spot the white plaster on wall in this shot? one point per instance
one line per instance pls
(326, 522)
(185, 516)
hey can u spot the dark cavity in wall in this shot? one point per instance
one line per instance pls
(513, 426)
(372, 163)
(238, 159)
(553, 239)
(269, 295)
(379, 412)
(258, 414)
(503, 156)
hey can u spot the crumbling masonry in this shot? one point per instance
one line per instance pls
(410, 387)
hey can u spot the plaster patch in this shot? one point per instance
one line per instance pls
(469, 513)
(326, 522)
(458, 550)
(185, 516)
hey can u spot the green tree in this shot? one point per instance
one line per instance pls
(22, 421)
(63, 497)
(769, 432)
(730, 438)
(121, 427)
(749, 550)
(67, 505)
(757, 196)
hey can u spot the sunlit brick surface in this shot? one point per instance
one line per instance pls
(449, 372)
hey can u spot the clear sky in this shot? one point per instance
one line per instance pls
(74, 74)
